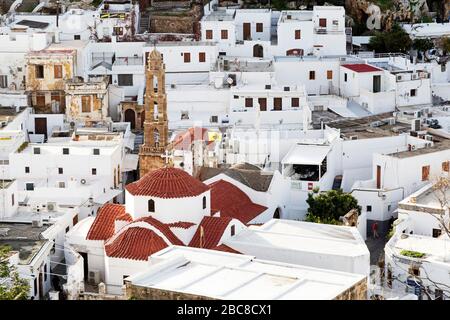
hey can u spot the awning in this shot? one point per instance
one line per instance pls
(102, 198)
(130, 162)
(306, 154)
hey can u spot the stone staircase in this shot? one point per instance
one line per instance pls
(144, 22)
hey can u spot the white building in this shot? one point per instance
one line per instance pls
(189, 272)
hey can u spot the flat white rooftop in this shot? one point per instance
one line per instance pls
(434, 249)
(235, 276)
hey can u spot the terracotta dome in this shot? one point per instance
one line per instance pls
(167, 183)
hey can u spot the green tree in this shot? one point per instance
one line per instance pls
(396, 40)
(444, 45)
(327, 207)
(422, 45)
(12, 287)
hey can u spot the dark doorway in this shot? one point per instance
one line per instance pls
(295, 52)
(85, 264)
(130, 117)
(258, 51)
(378, 177)
(247, 31)
(277, 104)
(376, 84)
(262, 104)
(41, 286)
(40, 126)
(276, 214)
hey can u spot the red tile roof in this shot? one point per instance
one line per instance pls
(213, 229)
(233, 202)
(163, 228)
(180, 224)
(167, 183)
(184, 140)
(225, 248)
(103, 226)
(361, 67)
(135, 243)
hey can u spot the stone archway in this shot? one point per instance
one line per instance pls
(258, 51)
(130, 116)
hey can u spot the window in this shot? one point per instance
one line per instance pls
(29, 186)
(125, 80)
(445, 166)
(37, 150)
(61, 184)
(187, 57)
(259, 27)
(184, 115)
(369, 208)
(96, 152)
(235, 97)
(262, 104)
(425, 173)
(39, 71)
(329, 74)
(248, 102)
(233, 230)
(85, 104)
(389, 208)
(345, 77)
(65, 150)
(76, 37)
(3, 81)
(312, 75)
(224, 34)
(298, 34)
(209, 34)
(27, 169)
(277, 104)
(60, 170)
(151, 205)
(295, 102)
(124, 277)
(45, 272)
(12, 200)
(443, 67)
(413, 92)
(94, 171)
(201, 57)
(57, 71)
(67, 229)
(437, 233)
(322, 23)
(75, 220)
(214, 119)
(204, 202)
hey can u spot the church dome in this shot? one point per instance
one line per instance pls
(167, 183)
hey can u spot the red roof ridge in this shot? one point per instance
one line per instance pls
(167, 183)
(135, 243)
(213, 229)
(233, 202)
(163, 228)
(103, 226)
(361, 67)
(180, 224)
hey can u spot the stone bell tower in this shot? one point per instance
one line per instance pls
(151, 153)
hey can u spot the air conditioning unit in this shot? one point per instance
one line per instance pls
(415, 125)
(36, 223)
(94, 277)
(51, 206)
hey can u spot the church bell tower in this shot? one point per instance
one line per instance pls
(151, 153)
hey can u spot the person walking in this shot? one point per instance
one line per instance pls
(375, 230)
